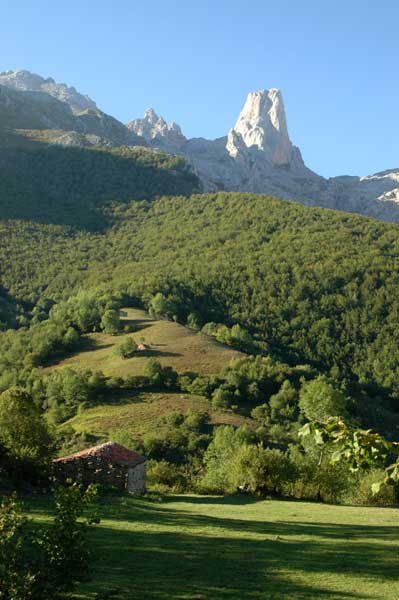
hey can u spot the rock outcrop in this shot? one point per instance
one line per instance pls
(258, 156)
(157, 131)
(30, 82)
(262, 124)
(255, 156)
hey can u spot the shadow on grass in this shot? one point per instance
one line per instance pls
(154, 552)
(138, 324)
(205, 566)
(150, 512)
(152, 352)
(235, 499)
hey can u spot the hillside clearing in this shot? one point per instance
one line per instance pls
(234, 548)
(172, 344)
(140, 414)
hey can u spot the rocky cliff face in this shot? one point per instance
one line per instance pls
(255, 156)
(158, 132)
(262, 124)
(258, 156)
(30, 82)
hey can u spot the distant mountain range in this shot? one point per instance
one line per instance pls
(257, 154)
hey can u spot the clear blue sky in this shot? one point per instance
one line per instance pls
(194, 61)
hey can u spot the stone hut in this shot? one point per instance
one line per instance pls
(108, 464)
(141, 347)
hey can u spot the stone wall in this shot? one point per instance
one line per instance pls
(137, 479)
(92, 469)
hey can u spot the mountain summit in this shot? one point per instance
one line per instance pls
(262, 123)
(257, 154)
(156, 130)
(28, 101)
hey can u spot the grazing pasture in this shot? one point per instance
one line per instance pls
(141, 413)
(238, 548)
(172, 344)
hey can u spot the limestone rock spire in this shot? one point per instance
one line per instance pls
(262, 124)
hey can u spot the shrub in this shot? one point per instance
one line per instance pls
(194, 321)
(110, 321)
(361, 491)
(319, 399)
(39, 562)
(222, 397)
(126, 349)
(153, 370)
(315, 478)
(17, 577)
(220, 471)
(166, 474)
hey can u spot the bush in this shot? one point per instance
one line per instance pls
(361, 492)
(153, 370)
(222, 475)
(17, 578)
(110, 321)
(315, 478)
(126, 349)
(165, 474)
(222, 397)
(39, 562)
(319, 399)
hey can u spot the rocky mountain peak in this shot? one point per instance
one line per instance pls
(150, 116)
(262, 124)
(155, 129)
(26, 81)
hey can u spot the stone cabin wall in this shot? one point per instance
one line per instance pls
(137, 479)
(92, 469)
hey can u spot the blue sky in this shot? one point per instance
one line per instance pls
(336, 62)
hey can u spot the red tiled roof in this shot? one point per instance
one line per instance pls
(110, 450)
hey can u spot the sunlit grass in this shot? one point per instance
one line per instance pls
(172, 344)
(142, 413)
(207, 548)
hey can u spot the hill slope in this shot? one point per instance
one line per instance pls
(27, 109)
(172, 344)
(319, 286)
(73, 186)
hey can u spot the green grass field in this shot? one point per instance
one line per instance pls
(172, 344)
(136, 414)
(141, 413)
(209, 548)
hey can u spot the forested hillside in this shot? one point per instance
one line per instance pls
(308, 296)
(316, 285)
(50, 183)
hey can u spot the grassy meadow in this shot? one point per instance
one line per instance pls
(141, 413)
(235, 548)
(172, 344)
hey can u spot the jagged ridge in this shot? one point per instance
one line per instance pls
(256, 155)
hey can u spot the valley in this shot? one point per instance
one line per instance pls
(211, 319)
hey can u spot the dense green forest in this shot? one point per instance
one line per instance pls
(309, 295)
(316, 285)
(71, 185)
